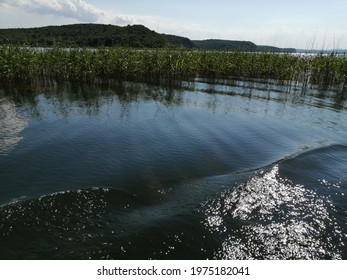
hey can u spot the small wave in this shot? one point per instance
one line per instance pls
(327, 149)
(52, 226)
(270, 217)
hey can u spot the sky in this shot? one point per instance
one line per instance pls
(309, 24)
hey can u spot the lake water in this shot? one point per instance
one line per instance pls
(205, 169)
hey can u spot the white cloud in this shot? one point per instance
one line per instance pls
(81, 11)
(274, 28)
(75, 9)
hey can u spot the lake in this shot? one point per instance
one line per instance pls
(202, 169)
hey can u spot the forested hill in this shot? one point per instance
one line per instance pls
(238, 45)
(84, 35)
(101, 35)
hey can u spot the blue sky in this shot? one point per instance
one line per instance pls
(301, 24)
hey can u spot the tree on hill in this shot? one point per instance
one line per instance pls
(84, 35)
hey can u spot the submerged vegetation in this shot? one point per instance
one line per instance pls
(26, 64)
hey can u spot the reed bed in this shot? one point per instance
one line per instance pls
(22, 64)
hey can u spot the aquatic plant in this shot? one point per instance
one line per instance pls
(24, 64)
(17, 64)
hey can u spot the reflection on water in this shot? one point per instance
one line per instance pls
(91, 97)
(176, 170)
(11, 125)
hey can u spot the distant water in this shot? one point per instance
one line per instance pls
(216, 169)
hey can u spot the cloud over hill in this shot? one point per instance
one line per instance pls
(76, 9)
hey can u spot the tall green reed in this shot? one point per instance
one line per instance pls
(21, 64)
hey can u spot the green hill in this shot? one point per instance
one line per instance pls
(84, 35)
(102, 35)
(179, 41)
(226, 45)
(238, 45)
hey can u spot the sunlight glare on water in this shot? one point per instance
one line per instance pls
(274, 219)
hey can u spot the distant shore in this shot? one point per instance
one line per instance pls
(134, 36)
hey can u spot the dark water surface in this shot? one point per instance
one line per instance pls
(217, 170)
